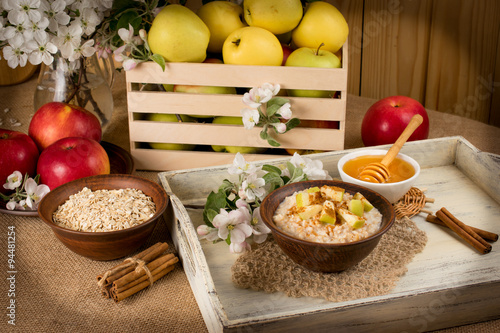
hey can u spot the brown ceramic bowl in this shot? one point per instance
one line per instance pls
(103, 245)
(323, 257)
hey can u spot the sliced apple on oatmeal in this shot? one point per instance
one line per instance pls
(332, 193)
(305, 213)
(306, 199)
(352, 219)
(367, 206)
(328, 214)
(356, 206)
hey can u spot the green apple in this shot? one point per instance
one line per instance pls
(306, 213)
(168, 87)
(352, 219)
(332, 193)
(321, 23)
(328, 214)
(306, 199)
(356, 207)
(221, 18)
(252, 46)
(169, 118)
(234, 149)
(179, 35)
(277, 16)
(367, 206)
(307, 57)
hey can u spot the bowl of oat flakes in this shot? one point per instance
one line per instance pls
(326, 225)
(104, 217)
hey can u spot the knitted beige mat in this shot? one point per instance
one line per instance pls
(267, 268)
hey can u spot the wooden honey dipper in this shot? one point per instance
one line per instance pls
(378, 172)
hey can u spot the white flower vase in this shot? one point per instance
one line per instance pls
(89, 86)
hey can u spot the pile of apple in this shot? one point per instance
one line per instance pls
(62, 145)
(258, 32)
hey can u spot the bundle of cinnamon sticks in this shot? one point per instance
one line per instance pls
(474, 236)
(137, 272)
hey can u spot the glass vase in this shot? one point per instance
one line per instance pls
(85, 83)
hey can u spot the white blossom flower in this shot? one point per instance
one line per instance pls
(55, 12)
(89, 20)
(23, 10)
(241, 166)
(18, 27)
(254, 187)
(42, 50)
(260, 230)
(37, 29)
(35, 192)
(250, 117)
(68, 39)
(280, 127)
(16, 52)
(13, 181)
(285, 111)
(312, 168)
(259, 95)
(239, 247)
(85, 50)
(208, 233)
(130, 64)
(233, 224)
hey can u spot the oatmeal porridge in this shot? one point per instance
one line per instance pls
(327, 215)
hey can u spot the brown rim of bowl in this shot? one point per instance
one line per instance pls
(380, 232)
(116, 232)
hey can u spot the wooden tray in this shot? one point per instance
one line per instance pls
(448, 284)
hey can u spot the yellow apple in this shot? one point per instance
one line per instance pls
(234, 149)
(221, 18)
(171, 118)
(307, 57)
(203, 90)
(252, 46)
(277, 16)
(322, 23)
(179, 35)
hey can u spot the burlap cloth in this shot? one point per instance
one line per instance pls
(269, 269)
(56, 290)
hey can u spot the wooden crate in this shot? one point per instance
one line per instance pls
(206, 134)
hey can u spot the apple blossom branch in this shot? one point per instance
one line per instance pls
(267, 110)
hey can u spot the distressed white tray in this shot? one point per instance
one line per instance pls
(448, 284)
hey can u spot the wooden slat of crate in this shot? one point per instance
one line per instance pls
(209, 74)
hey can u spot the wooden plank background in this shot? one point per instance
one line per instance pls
(444, 53)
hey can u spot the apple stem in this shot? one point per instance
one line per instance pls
(237, 42)
(320, 45)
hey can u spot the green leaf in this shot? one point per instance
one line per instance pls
(273, 180)
(211, 214)
(272, 109)
(271, 169)
(279, 101)
(273, 142)
(292, 123)
(215, 201)
(128, 17)
(263, 133)
(226, 186)
(159, 60)
(228, 239)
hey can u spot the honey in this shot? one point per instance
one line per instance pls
(399, 169)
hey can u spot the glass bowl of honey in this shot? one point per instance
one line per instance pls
(403, 170)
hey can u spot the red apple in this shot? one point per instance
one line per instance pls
(18, 152)
(71, 158)
(57, 120)
(287, 50)
(385, 120)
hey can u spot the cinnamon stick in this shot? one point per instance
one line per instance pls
(137, 275)
(126, 267)
(486, 235)
(117, 297)
(463, 231)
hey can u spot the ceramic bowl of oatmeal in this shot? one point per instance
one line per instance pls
(104, 217)
(327, 225)
(404, 172)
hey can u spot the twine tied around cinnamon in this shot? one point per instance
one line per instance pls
(129, 262)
